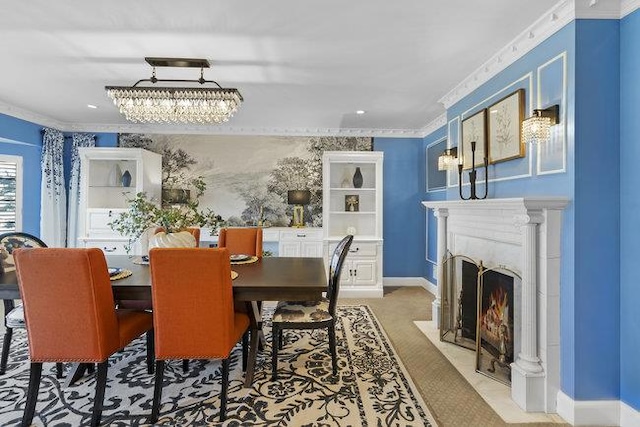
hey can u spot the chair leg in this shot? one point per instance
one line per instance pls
(32, 394)
(225, 386)
(59, 370)
(91, 368)
(332, 347)
(5, 349)
(185, 365)
(275, 333)
(150, 350)
(245, 346)
(280, 339)
(157, 391)
(101, 383)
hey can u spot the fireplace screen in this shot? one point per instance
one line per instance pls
(496, 323)
(459, 301)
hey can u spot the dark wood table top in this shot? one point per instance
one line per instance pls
(271, 278)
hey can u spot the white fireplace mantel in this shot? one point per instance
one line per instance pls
(522, 234)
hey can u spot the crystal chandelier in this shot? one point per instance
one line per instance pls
(198, 105)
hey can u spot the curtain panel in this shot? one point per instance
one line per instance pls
(78, 140)
(53, 195)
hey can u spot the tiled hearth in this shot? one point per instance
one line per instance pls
(522, 234)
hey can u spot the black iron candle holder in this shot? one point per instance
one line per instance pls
(473, 176)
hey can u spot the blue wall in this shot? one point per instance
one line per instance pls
(430, 267)
(586, 53)
(629, 208)
(22, 138)
(403, 216)
(597, 211)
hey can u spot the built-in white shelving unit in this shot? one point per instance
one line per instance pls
(357, 210)
(104, 194)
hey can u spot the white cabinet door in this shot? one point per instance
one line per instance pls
(347, 273)
(364, 272)
(311, 249)
(289, 249)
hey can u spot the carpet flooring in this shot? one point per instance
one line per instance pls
(450, 398)
(372, 388)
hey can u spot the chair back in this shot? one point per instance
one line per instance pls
(68, 304)
(195, 231)
(192, 303)
(335, 270)
(11, 241)
(241, 240)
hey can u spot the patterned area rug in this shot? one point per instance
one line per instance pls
(372, 388)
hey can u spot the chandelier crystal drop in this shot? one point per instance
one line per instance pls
(175, 105)
(183, 105)
(536, 129)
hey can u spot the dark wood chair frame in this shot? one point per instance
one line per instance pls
(9, 305)
(335, 269)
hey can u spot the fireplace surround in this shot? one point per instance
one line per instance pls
(522, 234)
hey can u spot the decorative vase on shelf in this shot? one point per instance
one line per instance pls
(126, 179)
(347, 178)
(115, 176)
(357, 178)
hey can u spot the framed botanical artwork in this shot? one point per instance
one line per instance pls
(474, 129)
(505, 118)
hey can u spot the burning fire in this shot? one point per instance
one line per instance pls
(495, 316)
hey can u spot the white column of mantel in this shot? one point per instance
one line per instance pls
(527, 372)
(441, 214)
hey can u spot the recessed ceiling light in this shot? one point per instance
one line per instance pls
(360, 112)
(92, 106)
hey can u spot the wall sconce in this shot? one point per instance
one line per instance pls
(298, 198)
(537, 128)
(448, 160)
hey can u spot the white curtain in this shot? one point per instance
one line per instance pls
(78, 140)
(53, 196)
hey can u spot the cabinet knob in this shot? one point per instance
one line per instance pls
(301, 235)
(354, 250)
(109, 249)
(110, 212)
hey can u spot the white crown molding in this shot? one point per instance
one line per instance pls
(628, 6)
(32, 117)
(549, 23)
(597, 9)
(230, 130)
(434, 125)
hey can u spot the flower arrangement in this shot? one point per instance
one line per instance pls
(144, 213)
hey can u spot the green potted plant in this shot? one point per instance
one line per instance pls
(145, 214)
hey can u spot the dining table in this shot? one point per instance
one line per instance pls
(267, 279)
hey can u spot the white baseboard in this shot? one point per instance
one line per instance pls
(596, 412)
(629, 417)
(411, 281)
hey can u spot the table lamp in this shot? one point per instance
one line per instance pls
(298, 198)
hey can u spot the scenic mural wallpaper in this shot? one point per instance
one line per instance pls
(256, 193)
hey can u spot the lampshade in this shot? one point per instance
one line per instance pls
(448, 159)
(537, 128)
(299, 197)
(176, 104)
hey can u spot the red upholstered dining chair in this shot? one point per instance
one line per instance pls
(193, 312)
(14, 315)
(241, 240)
(312, 314)
(72, 318)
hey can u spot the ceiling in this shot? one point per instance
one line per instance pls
(301, 66)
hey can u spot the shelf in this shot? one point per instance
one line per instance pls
(357, 237)
(351, 189)
(130, 188)
(352, 213)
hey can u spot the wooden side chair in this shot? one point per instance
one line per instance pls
(14, 315)
(241, 240)
(72, 318)
(311, 314)
(193, 312)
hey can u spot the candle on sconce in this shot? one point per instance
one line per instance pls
(460, 159)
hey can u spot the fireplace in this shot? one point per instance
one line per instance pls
(522, 235)
(477, 312)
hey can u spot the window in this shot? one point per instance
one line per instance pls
(10, 193)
